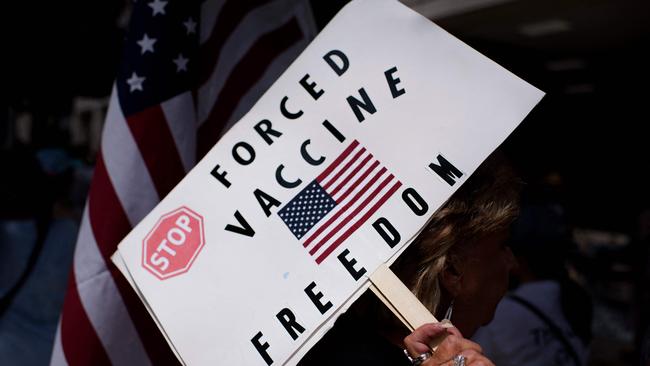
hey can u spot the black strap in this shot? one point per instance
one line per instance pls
(554, 328)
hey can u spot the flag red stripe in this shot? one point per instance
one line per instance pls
(157, 147)
(152, 339)
(355, 212)
(344, 169)
(354, 199)
(358, 224)
(80, 343)
(338, 213)
(357, 182)
(247, 72)
(351, 175)
(82, 334)
(338, 161)
(108, 221)
(227, 21)
(110, 225)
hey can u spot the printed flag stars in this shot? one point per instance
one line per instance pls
(135, 82)
(190, 26)
(181, 63)
(307, 209)
(146, 44)
(158, 7)
(160, 49)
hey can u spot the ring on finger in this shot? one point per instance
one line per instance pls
(417, 361)
(459, 360)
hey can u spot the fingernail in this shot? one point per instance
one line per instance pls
(446, 323)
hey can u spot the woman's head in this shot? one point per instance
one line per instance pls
(461, 254)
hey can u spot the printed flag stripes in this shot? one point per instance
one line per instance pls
(341, 199)
(190, 69)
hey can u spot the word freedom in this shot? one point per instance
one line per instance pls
(361, 106)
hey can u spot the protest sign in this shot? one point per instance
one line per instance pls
(251, 258)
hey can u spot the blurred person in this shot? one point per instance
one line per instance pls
(457, 267)
(36, 251)
(546, 320)
(22, 215)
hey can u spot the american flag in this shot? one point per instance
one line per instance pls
(341, 199)
(189, 70)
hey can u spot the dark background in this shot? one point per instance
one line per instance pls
(590, 127)
(585, 144)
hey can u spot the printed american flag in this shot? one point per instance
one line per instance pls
(189, 70)
(341, 199)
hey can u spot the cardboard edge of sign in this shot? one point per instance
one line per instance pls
(118, 261)
(383, 283)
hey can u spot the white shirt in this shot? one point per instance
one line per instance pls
(518, 337)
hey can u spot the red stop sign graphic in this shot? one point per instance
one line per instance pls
(170, 248)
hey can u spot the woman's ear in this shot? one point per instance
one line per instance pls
(451, 279)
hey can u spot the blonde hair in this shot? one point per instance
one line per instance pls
(486, 203)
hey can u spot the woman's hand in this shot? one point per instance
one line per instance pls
(417, 343)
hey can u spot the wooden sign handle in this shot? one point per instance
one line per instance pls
(401, 301)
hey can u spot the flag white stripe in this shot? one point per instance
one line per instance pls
(88, 261)
(259, 21)
(178, 111)
(372, 171)
(349, 184)
(347, 201)
(58, 358)
(273, 71)
(103, 302)
(136, 192)
(329, 179)
(349, 173)
(302, 10)
(353, 220)
(210, 10)
(125, 166)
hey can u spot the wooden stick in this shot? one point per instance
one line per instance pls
(401, 301)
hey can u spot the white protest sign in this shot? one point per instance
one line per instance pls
(250, 259)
